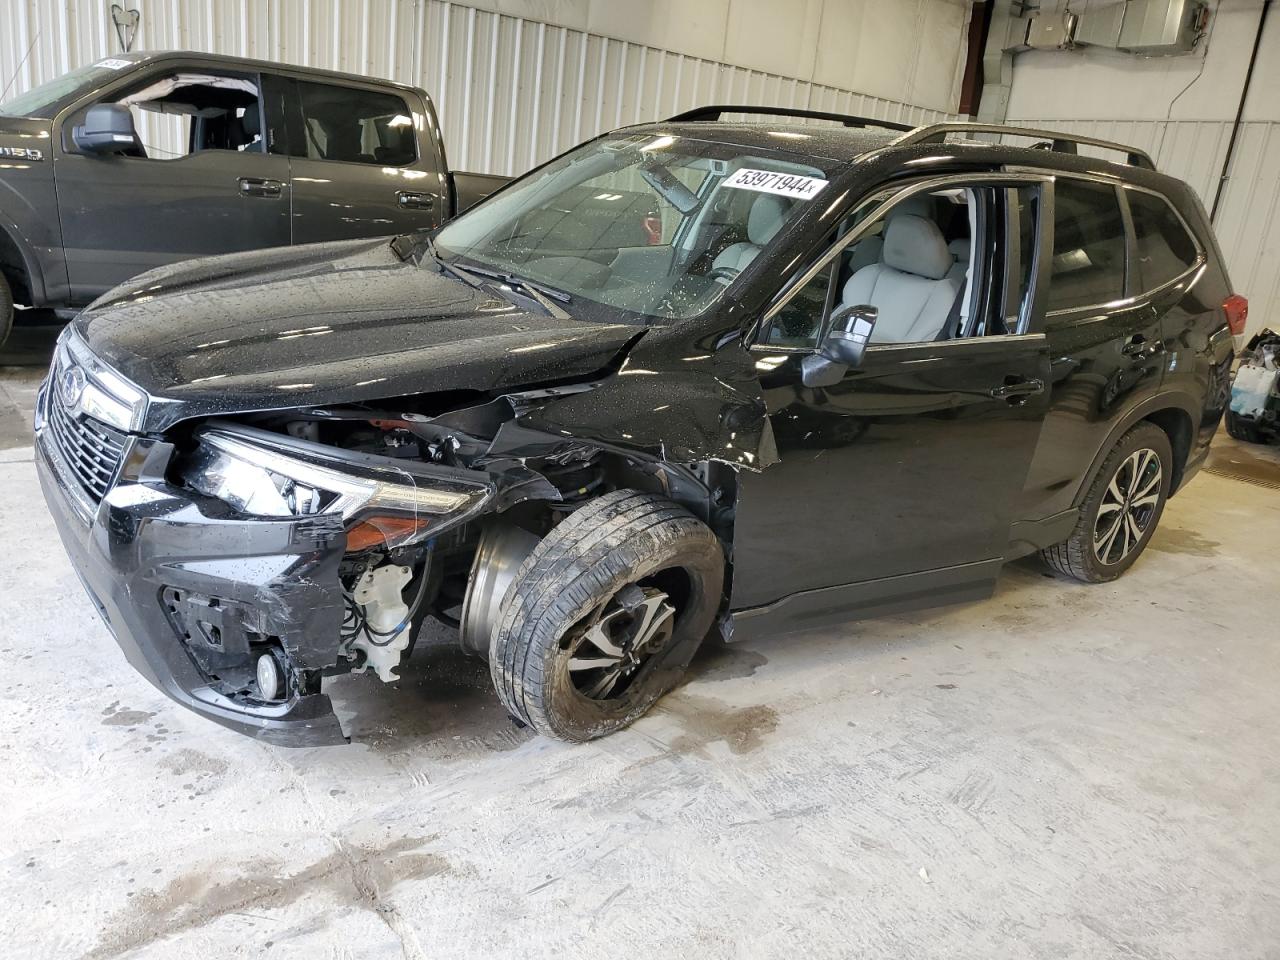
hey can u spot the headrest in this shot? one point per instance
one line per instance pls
(916, 206)
(766, 217)
(252, 122)
(915, 245)
(959, 248)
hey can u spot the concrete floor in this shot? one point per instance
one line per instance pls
(1063, 771)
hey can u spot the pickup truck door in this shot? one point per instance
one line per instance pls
(203, 181)
(363, 165)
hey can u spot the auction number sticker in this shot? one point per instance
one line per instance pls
(113, 63)
(770, 181)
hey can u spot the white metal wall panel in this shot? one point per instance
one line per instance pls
(511, 92)
(1248, 226)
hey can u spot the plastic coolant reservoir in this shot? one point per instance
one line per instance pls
(1252, 386)
(380, 593)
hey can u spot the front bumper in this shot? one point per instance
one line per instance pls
(171, 573)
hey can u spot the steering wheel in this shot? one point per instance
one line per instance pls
(724, 274)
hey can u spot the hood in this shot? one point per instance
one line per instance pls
(21, 131)
(322, 325)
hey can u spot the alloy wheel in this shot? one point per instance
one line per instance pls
(623, 634)
(1128, 506)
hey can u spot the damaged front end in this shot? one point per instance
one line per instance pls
(228, 571)
(240, 561)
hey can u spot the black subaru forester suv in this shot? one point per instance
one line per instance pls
(847, 369)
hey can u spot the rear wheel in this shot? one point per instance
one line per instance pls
(605, 614)
(1120, 512)
(6, 310)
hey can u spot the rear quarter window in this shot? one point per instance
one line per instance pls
(1163, 247)
(1088, 245)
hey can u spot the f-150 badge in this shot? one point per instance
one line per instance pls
(20, 153)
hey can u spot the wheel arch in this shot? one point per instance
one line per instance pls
(1178, 426)
(19, 268)
(1174, 413)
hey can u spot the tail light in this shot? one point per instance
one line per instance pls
(652, 230)
(1236, 308)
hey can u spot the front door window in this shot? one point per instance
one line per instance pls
(919, 266)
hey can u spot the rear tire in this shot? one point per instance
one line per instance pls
(6, 310)
(1121, 510)
(1241, 429)
(603, 617)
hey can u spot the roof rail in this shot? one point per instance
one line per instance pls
(1061, 142)
(714, 113)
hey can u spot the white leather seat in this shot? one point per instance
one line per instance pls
(765, 219)
(960, 251)
(871, 250)
(911, 288)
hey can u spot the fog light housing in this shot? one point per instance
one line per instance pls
(270, 677)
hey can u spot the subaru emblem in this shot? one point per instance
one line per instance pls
(71, 387)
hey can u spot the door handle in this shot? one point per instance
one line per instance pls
(1018, 390)
(410, 200)
(1140, 348)
(258, 187)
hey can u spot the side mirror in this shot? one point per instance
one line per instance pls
(842, 348)
(107, 129)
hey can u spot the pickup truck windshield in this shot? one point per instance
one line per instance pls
(43, 101)
(656, 225)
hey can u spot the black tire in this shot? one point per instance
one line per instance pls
(1077, 556)
(1241, 429)
(623, 541)
(6, 310)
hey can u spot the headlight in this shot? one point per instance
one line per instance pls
(263, 474)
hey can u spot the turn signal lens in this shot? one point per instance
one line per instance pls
(1236, 308)
(383, 532)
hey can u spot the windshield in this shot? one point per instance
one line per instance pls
(656, 225)
(43, 101)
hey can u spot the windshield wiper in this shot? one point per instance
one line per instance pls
(466, 276)
(536, 291)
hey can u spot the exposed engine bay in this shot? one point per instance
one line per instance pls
(442, 500)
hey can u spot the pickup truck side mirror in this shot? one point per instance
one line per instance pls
(842, 348)
(107, 129)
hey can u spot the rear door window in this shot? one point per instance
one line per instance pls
(1088, 245)
(1164, 250)
(355, 126)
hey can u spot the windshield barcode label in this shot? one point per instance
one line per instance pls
(770, 181)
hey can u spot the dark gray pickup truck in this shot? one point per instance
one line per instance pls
(144, 159)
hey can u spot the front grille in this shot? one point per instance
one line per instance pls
(92, 450)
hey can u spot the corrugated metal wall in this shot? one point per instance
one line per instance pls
(511, 92)
(1248, 224)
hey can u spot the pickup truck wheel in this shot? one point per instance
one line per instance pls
(6, 310)
(1121, 510)
(605, 614)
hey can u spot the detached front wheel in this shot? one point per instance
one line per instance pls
(605, 614)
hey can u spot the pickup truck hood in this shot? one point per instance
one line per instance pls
(23, 132)
(325, 324)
